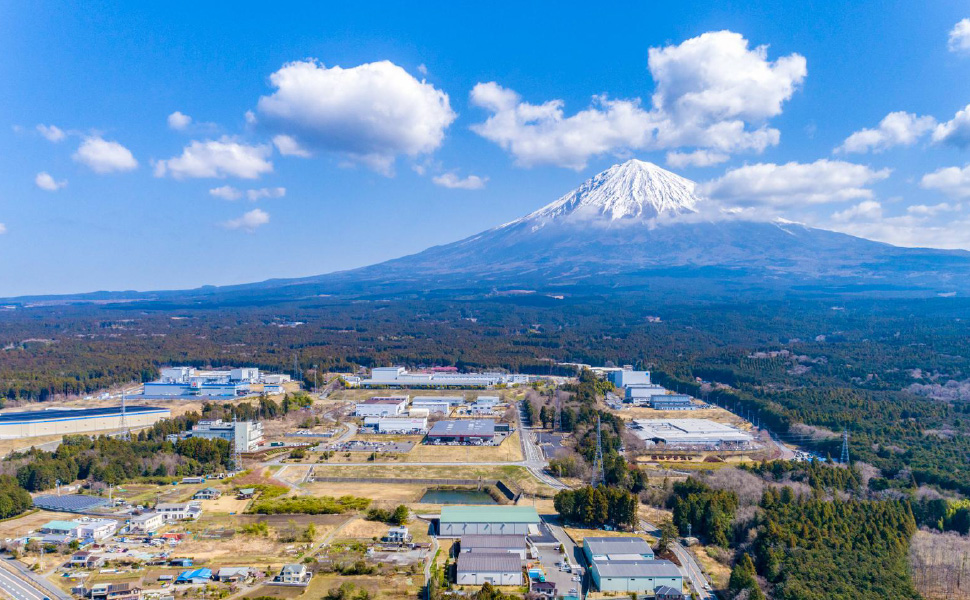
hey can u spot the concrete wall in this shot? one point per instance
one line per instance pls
(79, 424)
(496, 578)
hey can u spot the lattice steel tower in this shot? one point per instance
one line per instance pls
(845, 446)
(599, 474)
(125, 431)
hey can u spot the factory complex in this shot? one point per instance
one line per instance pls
(627, 564)
(401, 377)
(189, 382)
(63, 421)
(690, 433)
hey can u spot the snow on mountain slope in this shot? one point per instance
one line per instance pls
(632, 191)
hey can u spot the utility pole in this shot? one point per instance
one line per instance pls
(845, 446)
(236, 450)
(557, 426)
(599, 474)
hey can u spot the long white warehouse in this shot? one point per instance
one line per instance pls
(14, 425)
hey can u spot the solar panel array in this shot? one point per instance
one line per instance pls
(69, 503)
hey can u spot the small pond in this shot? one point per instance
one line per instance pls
(433, 496)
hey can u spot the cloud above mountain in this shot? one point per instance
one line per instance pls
(713, 93)
(371, 113)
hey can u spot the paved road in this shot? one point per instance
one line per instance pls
(535, 462)
(689, 567)
(21, 584)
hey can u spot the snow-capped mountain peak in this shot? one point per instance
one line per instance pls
(631, 191)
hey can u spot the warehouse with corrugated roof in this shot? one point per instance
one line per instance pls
(457, 521)
(64, 421)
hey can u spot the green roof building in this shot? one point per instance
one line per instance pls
(457, 521)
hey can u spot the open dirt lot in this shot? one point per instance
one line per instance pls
(510, 450)
(227, 503)
(578, 534)
(718, 415)
(384, 495)
(511, 474)
(30, 522)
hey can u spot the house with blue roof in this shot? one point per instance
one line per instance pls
(197, 576)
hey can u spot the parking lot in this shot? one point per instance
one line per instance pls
(371, 446)
(567, 582)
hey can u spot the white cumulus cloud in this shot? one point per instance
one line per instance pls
(934, 209)
(288, 146)
(248, 221)
(226, 192)
(3, 229)
(45, 182)
(453, 181)
(866, 210)
(371, 113)
(221, 158)
(960, 37)
(896, 129)
(103, 156)
(793, 184)
(697, 158)
(179, 121)
(952, 181)
(956, 131)
(712, 93)
(262, 193)
(52, 133)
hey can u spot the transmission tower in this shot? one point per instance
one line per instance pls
(557, 426)
(236, 450)
(845, 446)
(125, 432)
(599, 474)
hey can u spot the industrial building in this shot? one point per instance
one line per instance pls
(671, 402)
(625, 377)
(386, 406)
(468, 431)
(435, 405)
(690, 433)
(401, 377)
(642, 577)
(458, 521)
(492, 544)
(409, 424)
(641, 393)
(192, 382)
(246, 436)
(616, 548)
(626, 564)
(15, 425)
(495, 568)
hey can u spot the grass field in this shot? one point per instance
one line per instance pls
(514, 474)
(578, 534)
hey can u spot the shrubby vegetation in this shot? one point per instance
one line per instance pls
(14, 500)
(114, 461)
(308, 505)
(705, 512)
(596, 507)
(399, 516)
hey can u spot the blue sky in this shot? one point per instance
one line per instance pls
(443, 120)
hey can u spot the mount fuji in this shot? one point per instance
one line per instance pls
(637, 226)
(634, 228)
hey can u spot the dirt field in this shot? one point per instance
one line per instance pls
(510, 450)
(227, 503)
(384, 495)
(30, 522)
(578, 534)
(510, 474)
(718, 415)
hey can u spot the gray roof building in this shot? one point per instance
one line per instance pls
(498, 542)
(482, 562)
(645, 568)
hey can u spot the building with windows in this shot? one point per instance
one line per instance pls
(179, 511)
(146, 523)
(671, 402)
(435, 405)
(401, 377)
(97, 529)
(403, 425)
(381, 406)
(642, 577)
(641, 394)
(246, 436)
(463, 520)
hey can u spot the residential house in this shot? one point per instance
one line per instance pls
(179, 511)
(85, 560)
(233, 574)
(196, 576)
(115, 591)
(398, 535)
(97, 529)
(665, 592)
(209, 493)
(546, 589)
(246, 493)
(294, 574)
